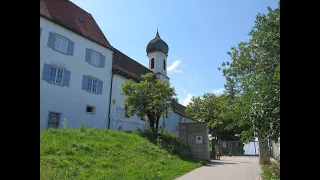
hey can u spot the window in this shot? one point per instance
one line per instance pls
(144, 117)
(92, 84)
(54, 120)
(120, 112)
(164, 64)
(90, 109)
(152, 63)
(95, 58)
(61, 44)
(56, 75)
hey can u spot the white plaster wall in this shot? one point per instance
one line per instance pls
(162, 78)
(71, 101)
(158, 62)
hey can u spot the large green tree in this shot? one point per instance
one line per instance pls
(214, 110)
(253, 77)
(150, 96)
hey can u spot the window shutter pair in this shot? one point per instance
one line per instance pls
(85, 84)
(46, 74)
(88, 57)
(52, 39)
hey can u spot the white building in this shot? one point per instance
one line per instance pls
(81, 73)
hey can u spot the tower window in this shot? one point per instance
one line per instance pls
(152, 63)
(164, 64)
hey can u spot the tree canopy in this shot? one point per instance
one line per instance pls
(150, 96)
(216, 111)
(253, 78)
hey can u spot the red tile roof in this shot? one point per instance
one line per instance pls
(123, 65)
(67, 14)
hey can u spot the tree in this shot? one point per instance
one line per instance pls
(214, 110)
(150, 96)
(255, 75)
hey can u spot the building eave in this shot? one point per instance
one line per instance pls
(73, 30)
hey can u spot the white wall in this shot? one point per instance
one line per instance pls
(71, 101)
(158, 62)
(275, 149)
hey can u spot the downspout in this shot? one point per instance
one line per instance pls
(112, 74)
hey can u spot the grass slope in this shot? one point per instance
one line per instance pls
(106, 154)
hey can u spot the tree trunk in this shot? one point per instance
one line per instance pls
(157, 124)
(151, 124)
(264, 151)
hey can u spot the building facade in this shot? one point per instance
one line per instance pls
(81, 73)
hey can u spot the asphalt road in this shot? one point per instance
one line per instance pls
(228, 168)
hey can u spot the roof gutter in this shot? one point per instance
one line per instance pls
(109, 119)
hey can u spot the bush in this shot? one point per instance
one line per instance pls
(271, 171)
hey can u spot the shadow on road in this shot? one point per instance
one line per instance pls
(216, 163)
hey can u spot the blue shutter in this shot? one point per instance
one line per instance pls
(70, 48)
(102, 60)
(51, 39)
(46, 73)
(66, 77)
(40, 31)
(84, 82)
(100, 86)
(88, 55)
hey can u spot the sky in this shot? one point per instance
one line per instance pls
(199, 34)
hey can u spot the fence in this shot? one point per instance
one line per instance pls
(238, 148)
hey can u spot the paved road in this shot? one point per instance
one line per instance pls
(228, 168)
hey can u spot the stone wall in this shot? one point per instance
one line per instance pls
(188, 134)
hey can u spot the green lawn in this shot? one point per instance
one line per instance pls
(106, 154)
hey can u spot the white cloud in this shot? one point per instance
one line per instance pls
(196, 77)
(218, 91)
(187, 99)
(174, 67)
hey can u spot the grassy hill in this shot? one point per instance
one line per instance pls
(107, 154)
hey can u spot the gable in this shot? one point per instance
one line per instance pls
(70, 16)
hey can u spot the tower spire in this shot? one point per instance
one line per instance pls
(157, 35)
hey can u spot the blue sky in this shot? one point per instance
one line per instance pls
(199, 34)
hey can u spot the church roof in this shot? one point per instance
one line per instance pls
(124, 66)
(79, 21)
(157, 44)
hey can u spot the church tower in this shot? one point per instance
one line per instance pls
(157, 53)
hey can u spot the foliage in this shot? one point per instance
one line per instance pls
(107, 154)
(216, 111)
(253, 78)
(150, 96)
(271, 171)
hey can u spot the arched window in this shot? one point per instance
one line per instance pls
(152, 63)
(164, 64)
